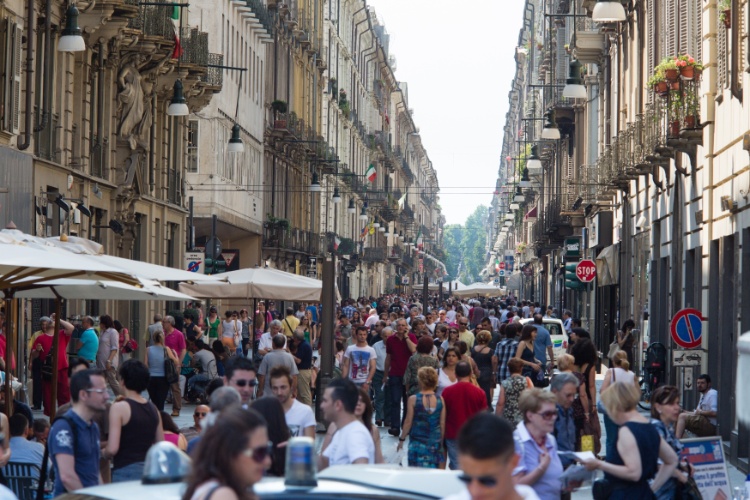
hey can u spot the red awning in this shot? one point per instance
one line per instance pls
(530, 215)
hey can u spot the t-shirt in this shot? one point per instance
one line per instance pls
(175, 341)
(379, 347)
(46, 342)
(207, 362)
(108, 341)
(89, 345)
(541, 343)
(288, 325)
(86, 453)
(709, 402)
(298, 418)
(400, 354)
(277, 357)
(462, 401)
(468, 337)
(359, 362)
(304, 353)
(526, 492)
(350, 443)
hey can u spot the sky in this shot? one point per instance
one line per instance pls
(458, 59)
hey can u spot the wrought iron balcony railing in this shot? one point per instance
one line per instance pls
(214, 77)
(375, 254)
(195, 46)
(292, 239)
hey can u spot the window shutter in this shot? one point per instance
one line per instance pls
(721, 56)
(11, 77)
(671, 19)
(685, 32)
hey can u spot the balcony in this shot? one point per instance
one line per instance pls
(261, 13)
(194, 47)
(407, 261)
(407, 214)
(394, 253)
(407, 171)
(214, 77)
(291, 240)
(375, 254)
(154, 21)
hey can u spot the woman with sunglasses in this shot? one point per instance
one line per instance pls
(451, 342)
(278, 432)
(539, 467)
(231, 457)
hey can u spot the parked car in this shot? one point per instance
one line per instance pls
(341, 482)
(556, 332)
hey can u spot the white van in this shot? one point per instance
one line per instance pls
(556, 332)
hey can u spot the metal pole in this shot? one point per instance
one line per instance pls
(424, 291)
(191, 226)
(8, 353)
(55, 357)
(327, 322)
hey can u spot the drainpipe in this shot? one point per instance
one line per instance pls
(47, 66)
(29, 73)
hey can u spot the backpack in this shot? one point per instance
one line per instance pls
(45, 460)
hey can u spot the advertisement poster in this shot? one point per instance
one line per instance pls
(707, 457)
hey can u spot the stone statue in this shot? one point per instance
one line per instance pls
(135, 118)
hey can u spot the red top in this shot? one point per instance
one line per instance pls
(2, 352)
(45, 341)
(175, 341)
(400, 354)
(462, 400)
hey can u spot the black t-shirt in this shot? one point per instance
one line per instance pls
(395, 308)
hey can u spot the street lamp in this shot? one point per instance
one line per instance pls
(315, 184)
(550, 130)
(608, 11)
(71, 39)
(534, 164)
(525, 182)
(336, 199)
(363, 215)
(177, 105)
(574, 88)
(514, 206)
(518, 198)
(351, 209)
(235, 142)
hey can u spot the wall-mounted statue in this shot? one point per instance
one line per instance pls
(135, 117)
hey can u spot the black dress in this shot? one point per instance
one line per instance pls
(528, 355)
(647, 438)
(484, 363)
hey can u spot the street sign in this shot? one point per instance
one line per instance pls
(501, 272)
(687, 379)
(350, 268)
(687, 328)
(586, 271)
(194, 262)
(497, 281)
(502, 265)
(572, 247)
(215, 245)
(687, 358)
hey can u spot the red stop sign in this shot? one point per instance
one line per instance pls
(586, 271)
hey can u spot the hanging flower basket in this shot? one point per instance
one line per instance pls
(672, 75)
(675, 85)
(726, 18)
(690, 121)
(674, 128)
(662, 88)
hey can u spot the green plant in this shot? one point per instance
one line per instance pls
(688, 60)
(344, 108)
(657, 77)
(276, 222)
(666, 64)
(279, 106)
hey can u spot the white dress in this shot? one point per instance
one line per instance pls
(443, 382)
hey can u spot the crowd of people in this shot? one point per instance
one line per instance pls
(428, 374)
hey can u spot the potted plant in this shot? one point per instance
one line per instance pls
(692, 110)
(669, 66)
(675, 107)
(567, 48)
(689, 68)
(279, 108)
(659, 83)
(725, 13)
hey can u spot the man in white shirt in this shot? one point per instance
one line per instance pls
(702, 421)
(382, 394)
(299, 417)
(429, 322)
(265, 345)
(567, 317)
(359, 361)
(486, 451)
(352, 443)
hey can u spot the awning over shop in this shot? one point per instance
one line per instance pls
(531, 215)
(607, 266)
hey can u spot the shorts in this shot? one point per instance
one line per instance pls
(700, 426)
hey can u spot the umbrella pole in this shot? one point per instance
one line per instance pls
(251, 344)
(8, 354)
(55, 356)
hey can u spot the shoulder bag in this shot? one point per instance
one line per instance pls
(170, 370)
(613, 348)
(690, 489)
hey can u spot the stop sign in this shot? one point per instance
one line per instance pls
(586, 271)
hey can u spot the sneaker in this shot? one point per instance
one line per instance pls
(175, 413)
(379, 423)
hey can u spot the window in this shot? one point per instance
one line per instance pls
(45, 141)
(192, 147)
(174, 168)
(96, 132)
(10, 83)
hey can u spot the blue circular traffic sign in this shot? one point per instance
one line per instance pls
(687, 328)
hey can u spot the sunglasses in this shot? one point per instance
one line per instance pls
(243, 383)
(486, 481)
(464, 324)
(199, 414)
(259, 454)
(548, 415)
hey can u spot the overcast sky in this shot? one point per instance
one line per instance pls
(458, 59)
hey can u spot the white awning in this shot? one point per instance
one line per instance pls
(607, 266)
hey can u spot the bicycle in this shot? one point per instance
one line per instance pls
(653, 373)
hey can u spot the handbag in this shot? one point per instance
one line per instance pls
(47, 368)
(602, 489)
(130, 346)
(689, 490)
(613, 348)
(170, 371)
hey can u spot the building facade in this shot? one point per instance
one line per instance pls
(647, 174)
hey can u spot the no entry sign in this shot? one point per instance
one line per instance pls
(586, 271)
(687, 328)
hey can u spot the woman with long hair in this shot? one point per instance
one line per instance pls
(619, 372)
(231, 457)
(482, 356)
(584, 406)
(158, 387)
(525, 351)
(124, 338)
(309, 327)
(278, 432)
(363, 411)
(425, 423)
(626, 339)
(172, 432)
(665, 408)
(447, 374)
(450, 342)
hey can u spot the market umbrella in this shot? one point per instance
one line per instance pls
(476, 289)
(72, 289)
(257, 282)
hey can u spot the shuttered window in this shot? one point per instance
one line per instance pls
(10, 83)
(721, 55)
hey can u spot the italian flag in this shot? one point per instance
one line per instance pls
(336, 243)
(371, 174)
(176, 24)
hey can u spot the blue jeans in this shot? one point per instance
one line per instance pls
(611, 429)
(196, 379)
(396, 386)
(382, 395)
(132, 472)
(452, 445)
(668, 490)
